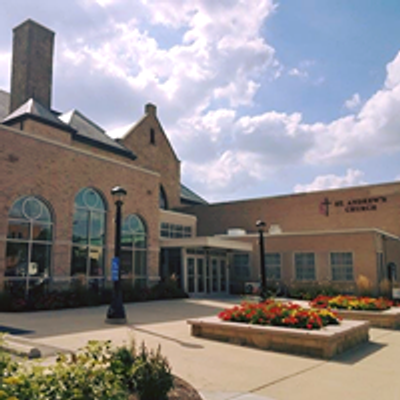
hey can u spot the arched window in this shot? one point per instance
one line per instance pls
(88, 235)
(134, 250)
(163, 204)
(29, 242)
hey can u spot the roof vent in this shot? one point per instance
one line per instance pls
(275, 230)
(236, 232)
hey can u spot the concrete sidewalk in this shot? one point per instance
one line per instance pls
(222, 371)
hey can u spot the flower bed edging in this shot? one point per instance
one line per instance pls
(388, 319)
(324, 343)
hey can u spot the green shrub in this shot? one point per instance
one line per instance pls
(151, 374)
(96, 372)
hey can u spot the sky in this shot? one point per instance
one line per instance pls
(258, 97)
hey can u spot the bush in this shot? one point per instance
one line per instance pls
(364, 286)
(311, 291)
(151, 375)
(96, 372)
(80, 295)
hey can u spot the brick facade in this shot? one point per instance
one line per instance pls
(36, 165)
(363, 221)
(153, 149)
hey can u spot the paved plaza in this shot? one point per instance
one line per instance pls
(217, 370)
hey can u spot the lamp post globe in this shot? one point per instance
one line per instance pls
(116, 311)
(263, 285)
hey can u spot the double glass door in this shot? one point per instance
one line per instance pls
(206, 274)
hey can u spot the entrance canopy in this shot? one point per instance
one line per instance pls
(207, 242)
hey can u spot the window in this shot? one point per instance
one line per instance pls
(162, 201)
(304, 266)
(273, 265)
(29, 243)
(241, 265)
(342, 266)
(152, 136)
(134, 250)
(175, 230)
(88, 236)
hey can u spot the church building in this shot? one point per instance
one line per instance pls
(57, 170)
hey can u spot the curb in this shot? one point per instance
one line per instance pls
(20, 347)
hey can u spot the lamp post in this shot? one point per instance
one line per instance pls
(116, 311)
(263, 289)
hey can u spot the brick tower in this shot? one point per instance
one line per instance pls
(32, 64)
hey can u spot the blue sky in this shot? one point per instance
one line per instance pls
(257, 97)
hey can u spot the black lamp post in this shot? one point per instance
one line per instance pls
(263, 289)
(116, 311)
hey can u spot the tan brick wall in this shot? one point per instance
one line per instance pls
(55, 172)
(158, 157)
(300, 212)
(363, 246)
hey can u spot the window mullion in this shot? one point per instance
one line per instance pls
(89, 237)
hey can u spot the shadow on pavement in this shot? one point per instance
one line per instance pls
(61, 322)
(14, 331)
(171, 339)
(359, 353)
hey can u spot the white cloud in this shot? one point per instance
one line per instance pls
(272, 141)
(353, 102)
(298, 73)
(218, 54)
(5, 72)
(353, 177)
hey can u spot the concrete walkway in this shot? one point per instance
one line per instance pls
(222, 371)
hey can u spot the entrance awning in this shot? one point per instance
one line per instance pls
(206, 242)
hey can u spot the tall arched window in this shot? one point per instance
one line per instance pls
(134, 250)
(163, 204)
(29, 242)
(88, 234)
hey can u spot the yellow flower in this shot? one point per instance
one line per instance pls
(12, 398)
(12, 380)
(3, 393)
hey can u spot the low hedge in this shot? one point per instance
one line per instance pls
(96, 372)
(78, 295)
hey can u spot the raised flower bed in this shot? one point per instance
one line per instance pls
(283, 327)
(379, 312)
(271, 312)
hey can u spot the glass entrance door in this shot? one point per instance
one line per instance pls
(195, 275)
(219, 275)
(206, 272)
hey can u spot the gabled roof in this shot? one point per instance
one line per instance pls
(124, 132)
(87, 131)
(4, 104)
(189, 197)
(34, 110)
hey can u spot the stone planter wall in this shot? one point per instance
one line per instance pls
(324, 343)
(389, 319)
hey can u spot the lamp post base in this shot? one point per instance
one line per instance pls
(116, 312)
(116, 321)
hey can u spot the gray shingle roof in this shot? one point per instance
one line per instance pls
(88, 131)
(34, 109)
(190, 197)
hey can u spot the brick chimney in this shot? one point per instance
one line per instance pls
(150, 109)
(32, 64)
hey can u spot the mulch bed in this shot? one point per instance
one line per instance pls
(182, 390)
